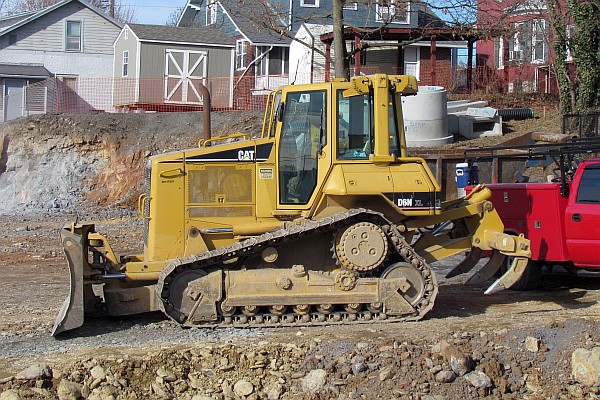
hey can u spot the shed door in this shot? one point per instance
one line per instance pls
(184, 70)
(13, 95)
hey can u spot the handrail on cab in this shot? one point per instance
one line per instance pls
(207, 142)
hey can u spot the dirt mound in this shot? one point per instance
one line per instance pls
(54, 162)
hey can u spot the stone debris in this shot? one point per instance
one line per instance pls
(243, 388)
(314, 381)
(532, 344)
(478, 379)
(35, 372)
(586, 366)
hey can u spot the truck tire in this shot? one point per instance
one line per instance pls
(531, 278)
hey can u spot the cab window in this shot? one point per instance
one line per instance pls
(394, 138)
(589, 187)
(303, 135)
(354, 126)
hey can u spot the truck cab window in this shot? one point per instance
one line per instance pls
(354, 127)
(394, 138)
(303, 136)
(589, 187)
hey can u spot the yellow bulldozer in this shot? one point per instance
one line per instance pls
(321, 219)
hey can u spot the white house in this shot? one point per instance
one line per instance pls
(71, 41)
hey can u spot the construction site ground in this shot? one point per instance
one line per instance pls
(56, 168)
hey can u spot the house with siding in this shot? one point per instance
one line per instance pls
(271, 38)
(261, 55)
(160, 68)
(71, 41)
(519, 56)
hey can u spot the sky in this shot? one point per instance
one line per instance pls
(153, 11)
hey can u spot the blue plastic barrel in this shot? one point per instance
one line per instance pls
(462, 178)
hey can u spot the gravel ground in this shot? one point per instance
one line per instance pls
(513, 345)
(487, 331)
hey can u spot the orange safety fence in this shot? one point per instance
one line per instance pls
(83, 95)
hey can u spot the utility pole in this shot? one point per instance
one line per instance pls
(112, 8)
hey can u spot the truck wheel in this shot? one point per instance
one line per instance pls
(531, 278)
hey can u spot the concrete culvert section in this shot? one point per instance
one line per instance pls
(426, 117)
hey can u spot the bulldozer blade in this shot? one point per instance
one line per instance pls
(81, 297)
(467, 264)
(71, 314)
(489, 269)
(512, 276)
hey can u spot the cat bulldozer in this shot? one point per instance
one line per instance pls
(323, 218)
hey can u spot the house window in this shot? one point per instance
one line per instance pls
(309, 3)
(12, 39)
(211, 12)
(241, 48)
(262, 66)
(529, 43)
(275, 62)
(351, 6)
(126, 34)
(411, 61)
(516, 44)
(392, 11)
(538, 40)
(126, 63)
(73, 36)
(570, 34)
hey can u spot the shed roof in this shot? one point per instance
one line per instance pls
(177, 34)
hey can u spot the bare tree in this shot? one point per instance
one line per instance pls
(3, 7)
(173, 18)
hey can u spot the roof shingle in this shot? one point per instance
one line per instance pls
(23, 71)
(177, 34)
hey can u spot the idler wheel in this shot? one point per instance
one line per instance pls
(416, 291)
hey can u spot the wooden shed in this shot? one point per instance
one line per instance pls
(159, 68)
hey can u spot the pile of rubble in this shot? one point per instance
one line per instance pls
(545, 363)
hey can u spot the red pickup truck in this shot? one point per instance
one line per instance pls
(562, 220)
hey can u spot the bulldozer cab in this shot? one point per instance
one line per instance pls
(319, 126)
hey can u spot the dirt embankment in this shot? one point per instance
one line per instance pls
(54, 162)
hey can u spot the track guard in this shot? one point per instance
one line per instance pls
(81, 297)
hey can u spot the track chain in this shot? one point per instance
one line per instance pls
(293, 231)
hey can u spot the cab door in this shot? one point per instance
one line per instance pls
(301, 154)
(582, 217)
